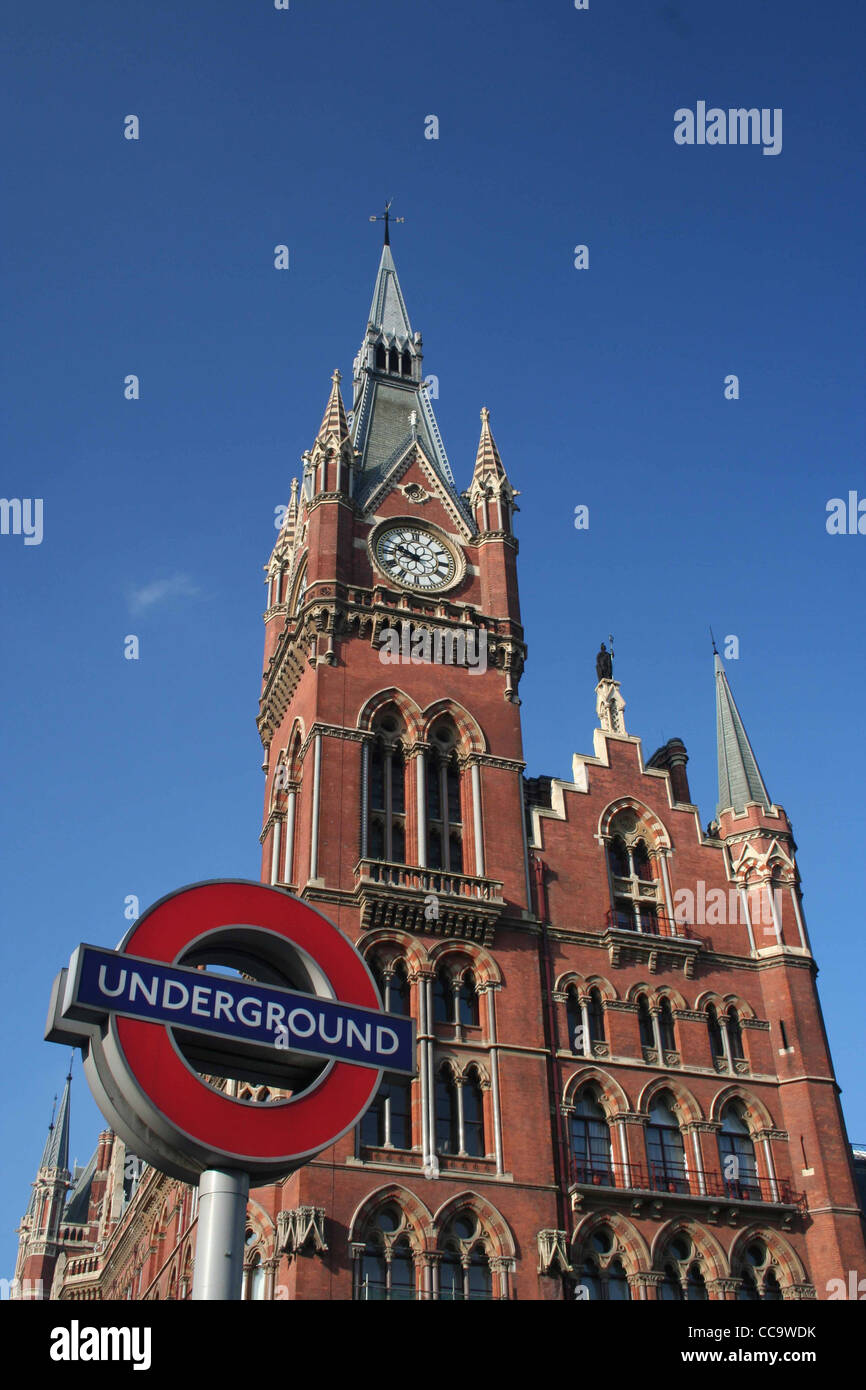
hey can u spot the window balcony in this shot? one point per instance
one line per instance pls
(428, 900)
(680, 1183)
(658, 943)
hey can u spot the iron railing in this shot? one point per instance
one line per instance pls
(675, 1179)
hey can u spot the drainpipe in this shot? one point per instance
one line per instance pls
(560, 1152)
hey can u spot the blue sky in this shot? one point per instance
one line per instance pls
(605, 387)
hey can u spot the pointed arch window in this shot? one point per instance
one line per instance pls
(444, 804)
(666, 1026)
(596, 1016)
(645, 1023)
(388, 1121)
(714, 1030)
(665, 1151)
(447, 1116)
(387, 792)
(455, 998)
(737, 1154)
(758, 1280)
(255, 1279)
(473, 1115)
(464, 1273)
(466, 1001)
(574, 1015)
(386, 1269)
(636, 900)
(590, 1140)
(604, 1278)
(735, 1036)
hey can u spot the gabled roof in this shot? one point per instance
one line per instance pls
(740, 780)
(392, 412)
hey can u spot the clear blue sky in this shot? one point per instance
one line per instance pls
(605, 386)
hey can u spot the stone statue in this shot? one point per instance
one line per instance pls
(604, 664)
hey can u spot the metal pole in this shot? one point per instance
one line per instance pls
(219, 1246)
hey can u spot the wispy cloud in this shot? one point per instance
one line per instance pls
(176, 586)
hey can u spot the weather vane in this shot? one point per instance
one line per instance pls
(388, 219)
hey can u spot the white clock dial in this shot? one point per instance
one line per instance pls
(416, 558)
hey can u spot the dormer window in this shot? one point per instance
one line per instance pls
(406, 363)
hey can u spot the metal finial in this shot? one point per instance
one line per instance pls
(388, 219)
(713, 640)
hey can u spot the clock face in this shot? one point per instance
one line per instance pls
(415, 558)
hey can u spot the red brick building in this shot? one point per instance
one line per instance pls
(624, 1087)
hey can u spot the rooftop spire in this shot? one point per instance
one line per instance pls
(56, 1151)
(334, 419)
(487, 461)
(740, 780)
(388, 313)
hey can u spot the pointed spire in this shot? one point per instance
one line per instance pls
(487, 461)
(388, 312)
(56, 1151)
(334, 419)
(740, 780)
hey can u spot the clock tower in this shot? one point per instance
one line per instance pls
(390, 721)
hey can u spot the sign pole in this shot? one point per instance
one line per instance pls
(219, 1246)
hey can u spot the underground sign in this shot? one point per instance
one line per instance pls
(238, 980)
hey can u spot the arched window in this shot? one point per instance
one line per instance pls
(619, 861)
(467, 1000)
(455, 998)
(596, 1016)
(759, 1281)
(443, 998)
(406, 363)
(641, 861)
(737, 1154)
(393, 361)
(665, 1152)
(735, 1036)
(387, 792)
(603, 1277)
(255, 1279)
(399, 990)
(574, 1015)
(617, 1283)
(444, 813)
(696, 1288)
(684, 1277)
(645, 1022)
(473, 1115)
(381, 360)
(590, 1141)
(464, 1272)
(388, 1121)
(666, 1026)
(447, 1115)
(714, 1029)
(636, 891)
(386, 1269)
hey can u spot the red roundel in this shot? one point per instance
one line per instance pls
(248, 1135)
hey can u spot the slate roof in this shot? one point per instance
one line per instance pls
(740, 780)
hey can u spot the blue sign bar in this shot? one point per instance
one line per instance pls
(110, 982)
